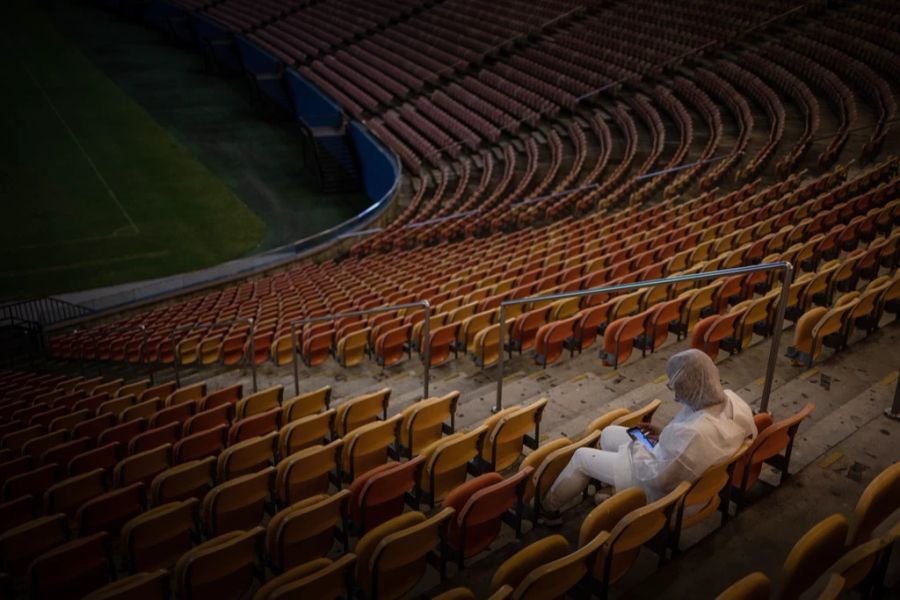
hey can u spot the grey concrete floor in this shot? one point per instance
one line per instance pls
(257, 154)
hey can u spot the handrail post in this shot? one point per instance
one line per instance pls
(176, 354)
(894, 411)
(251, 350)
(294, 354)
(498, 406)
(776, 336)
(426, 340)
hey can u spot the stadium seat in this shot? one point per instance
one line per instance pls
(705, 495)
(110, 511)
(154, 438)
(367, 447)
(390, 558)
(305, 432)
(306, 473)
(508, 434)
(361, 410)
(258, 425)
(643, 414)
(391, 346)
(70, 570)
(876, 503)
(15, 512)
(306, 404)
(446, 463)
(227, 395)
(305, 530)
(246, 457)
(852, 569)
(31, 483)
(380, 493)
(187, 480)
(141, 410)
(480, 505)
(425, 421)
(179, 413)
(222, 567)
(545, 570)
(351, 349)
(258, 402)
(209, 442)
(143, 466)
(811, 556)
(238, 503)
(156, 539)
(210, 418)
(22, 544)
(773, 439)
(631, 522)
(320, 578)
(550, 339)
(755, 586)
(146, 586)
(68, 495)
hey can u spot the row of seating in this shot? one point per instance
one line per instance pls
(837, 555)
(141, 343)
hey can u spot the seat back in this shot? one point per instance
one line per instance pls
(306, 472)
(71, 570)
(445, 466)
(188, 480)
(306, 432)
(876, 503)
(635, 529)
(811, 556)
(228, 395)
(514, 570)
(68, 495)
(554, 578)
(110, 511)
(256, 425)
(755, 586)
(478, 523)
(391, 345)
(238, 503)
(424, 423)
(361, 410)
(526, 326)
(771, 441)
(21, 545)
(506, 440)
(155, 539)
(367, 447)
(143, 466)
(220, 568)
(305, 531)
(641, 415)
(328, 581)
(247, 456)
(259, 402)
(399, 560)
(704, 496)
(306, 404)
(379, 495)
(142, 586)
(209, 442)
(208, 419)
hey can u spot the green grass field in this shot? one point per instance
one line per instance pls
(94, 192)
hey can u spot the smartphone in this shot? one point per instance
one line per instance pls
(637, 434)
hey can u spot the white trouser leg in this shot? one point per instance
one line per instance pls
(586, 464)
(613, 437)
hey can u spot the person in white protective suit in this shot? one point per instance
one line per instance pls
(711, 427)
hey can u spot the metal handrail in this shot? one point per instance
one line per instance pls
(248, 352)
(426, 335)
(776, 335)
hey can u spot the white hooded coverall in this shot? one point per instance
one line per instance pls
(709, 429)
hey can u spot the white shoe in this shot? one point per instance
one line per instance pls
(601, 497)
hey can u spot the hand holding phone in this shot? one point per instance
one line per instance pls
(637, 434)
